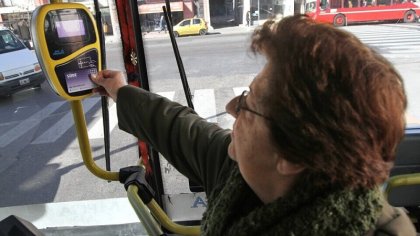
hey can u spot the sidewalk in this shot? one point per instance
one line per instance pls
(156, 35)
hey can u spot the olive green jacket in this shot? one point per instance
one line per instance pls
(195, 147)
(198, 149)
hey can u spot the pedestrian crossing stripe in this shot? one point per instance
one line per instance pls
(60, 127)
(168, 95)
(385, 43)
(382, 37)
(397, 43)
(204, 102)
(28, 124)
(97, 130)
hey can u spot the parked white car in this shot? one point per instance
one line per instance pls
(19, 67)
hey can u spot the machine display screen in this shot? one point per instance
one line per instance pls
(66, 31)
(70, 28)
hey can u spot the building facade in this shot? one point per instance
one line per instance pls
(217, 13)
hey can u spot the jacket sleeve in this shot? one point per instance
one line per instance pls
(195, 147)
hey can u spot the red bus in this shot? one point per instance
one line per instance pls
(342, 12)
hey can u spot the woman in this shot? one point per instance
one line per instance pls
(313, 138)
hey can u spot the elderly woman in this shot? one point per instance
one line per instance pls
(313, 138)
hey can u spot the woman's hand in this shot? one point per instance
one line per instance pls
(110, 82)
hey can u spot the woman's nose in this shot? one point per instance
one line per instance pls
(231, 107)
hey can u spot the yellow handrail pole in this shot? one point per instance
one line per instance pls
(401, 180)
(162, 218)
(169, 224)
(143, 212)
(85, 149)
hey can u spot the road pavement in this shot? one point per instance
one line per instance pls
(161, 35)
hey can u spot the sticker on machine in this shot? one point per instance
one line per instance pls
(79, 80)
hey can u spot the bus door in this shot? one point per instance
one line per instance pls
(318, 9)
(183, 201)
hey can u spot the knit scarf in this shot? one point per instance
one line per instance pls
(234, 209)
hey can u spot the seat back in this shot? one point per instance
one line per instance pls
(403, 188)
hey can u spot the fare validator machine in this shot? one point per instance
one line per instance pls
(67, 45)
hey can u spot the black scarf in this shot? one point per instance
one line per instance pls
(233, 209)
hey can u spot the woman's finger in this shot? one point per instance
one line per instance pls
(94, 78)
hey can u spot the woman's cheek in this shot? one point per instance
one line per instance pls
(231, 151)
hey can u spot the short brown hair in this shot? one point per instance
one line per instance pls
(338, 105)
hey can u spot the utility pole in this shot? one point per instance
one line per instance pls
(258, 12)
(245, 9)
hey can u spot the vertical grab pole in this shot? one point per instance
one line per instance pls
(194, 187)
(184, 81)
(104, 99)
(142, 67)
(168, 12)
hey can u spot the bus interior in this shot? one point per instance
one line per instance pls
(161, 211)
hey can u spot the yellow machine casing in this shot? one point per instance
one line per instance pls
(59, 56)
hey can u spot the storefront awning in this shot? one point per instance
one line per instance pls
(157, 7)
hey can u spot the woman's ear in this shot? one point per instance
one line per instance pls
(285, 167)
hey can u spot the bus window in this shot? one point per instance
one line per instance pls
(384, 2)
(324, 4)
(336, 3)
(310, 7)
(355, 3)
(348, 4)
(370, 2)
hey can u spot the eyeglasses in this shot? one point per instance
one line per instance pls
(242, 105)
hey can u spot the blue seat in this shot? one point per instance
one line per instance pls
(403, 187)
